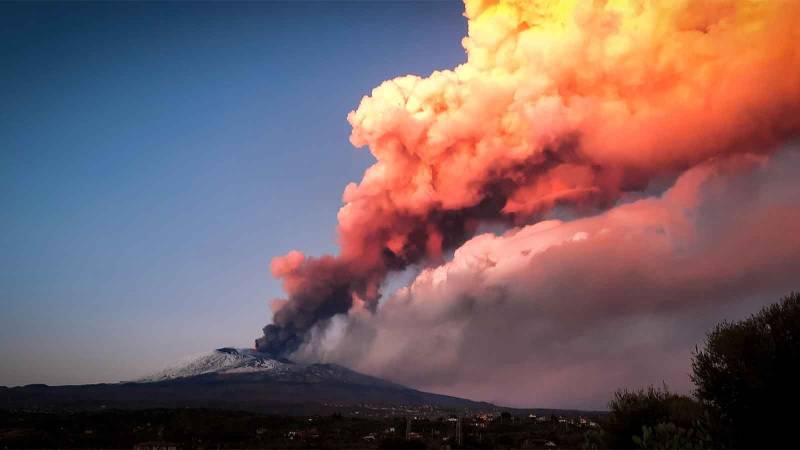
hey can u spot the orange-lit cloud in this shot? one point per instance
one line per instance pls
(563, 313)
(560, 103)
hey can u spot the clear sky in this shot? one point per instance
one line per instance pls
(154, 157)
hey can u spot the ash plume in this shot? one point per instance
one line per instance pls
(563, 313)
(567, 104)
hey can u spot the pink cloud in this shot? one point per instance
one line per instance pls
(558, 105)
(561, 313)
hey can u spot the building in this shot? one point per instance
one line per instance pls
(155, 445)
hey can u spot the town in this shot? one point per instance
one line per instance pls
(197, 428)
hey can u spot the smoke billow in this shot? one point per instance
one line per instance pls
(568, 104)
(563, 313)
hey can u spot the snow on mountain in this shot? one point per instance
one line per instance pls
(239, 379)
(223, 360)
(247, 365)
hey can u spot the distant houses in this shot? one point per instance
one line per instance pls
(155, 445)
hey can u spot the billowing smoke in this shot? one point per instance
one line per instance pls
(562, 313)
(560, 103)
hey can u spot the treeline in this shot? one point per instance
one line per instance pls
(747, 388)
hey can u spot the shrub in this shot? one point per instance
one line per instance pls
(747, 375)
(632, 413)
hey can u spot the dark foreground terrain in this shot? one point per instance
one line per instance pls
(202, 428)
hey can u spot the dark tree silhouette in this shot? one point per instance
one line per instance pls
(748, 373)
(633, 411)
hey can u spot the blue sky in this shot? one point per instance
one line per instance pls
(154, 157)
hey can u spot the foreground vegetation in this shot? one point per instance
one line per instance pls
(746, 379)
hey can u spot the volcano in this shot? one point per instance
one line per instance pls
(240, 379)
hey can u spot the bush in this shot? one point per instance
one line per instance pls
(747, 388)
(650, 417)
(668, 436)
(747, 375)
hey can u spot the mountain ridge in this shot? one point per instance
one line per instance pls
(241, 379)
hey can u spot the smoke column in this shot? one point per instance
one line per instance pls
(560, 103)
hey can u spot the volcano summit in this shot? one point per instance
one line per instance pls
(240, 379)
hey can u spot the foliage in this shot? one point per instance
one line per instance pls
(654, 416)
(747, 375)
(668, 436)
(594, 440)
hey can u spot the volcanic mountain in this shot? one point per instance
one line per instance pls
(240, 379)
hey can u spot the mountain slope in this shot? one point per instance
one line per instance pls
(221, 360)
(239, 379)
(229, 364)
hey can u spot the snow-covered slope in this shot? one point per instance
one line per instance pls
(246, 364)
(223, 360)
(239, 379)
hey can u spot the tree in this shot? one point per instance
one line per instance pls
(748, 374)
(635, 414)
